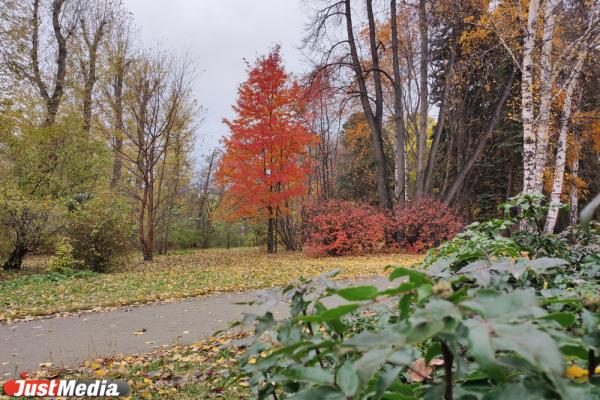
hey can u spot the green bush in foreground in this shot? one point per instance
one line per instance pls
(100, 231)
(494, 316)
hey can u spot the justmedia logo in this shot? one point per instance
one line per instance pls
(65, 388)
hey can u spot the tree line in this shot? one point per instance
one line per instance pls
(468, 103)
(87, 112)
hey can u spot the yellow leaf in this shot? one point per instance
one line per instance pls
(575, 372)
(252, 361)
(100, 372)
(146, 395)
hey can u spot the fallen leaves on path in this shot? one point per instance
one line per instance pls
(192, 371)
(177, 276)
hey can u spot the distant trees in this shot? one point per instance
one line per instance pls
(74, 87)
(162, 112)
(465, 102)
(266, 158)
(497, 76)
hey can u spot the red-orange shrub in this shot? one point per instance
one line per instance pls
(338, 228)
(420, 226)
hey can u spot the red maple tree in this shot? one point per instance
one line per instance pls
(266, 158)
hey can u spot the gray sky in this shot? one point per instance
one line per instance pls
(218, 35)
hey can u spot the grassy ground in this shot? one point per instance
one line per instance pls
(197, 371)
(32, 292)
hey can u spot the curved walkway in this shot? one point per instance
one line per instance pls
(73, 339)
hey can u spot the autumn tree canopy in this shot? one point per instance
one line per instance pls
(266, 158)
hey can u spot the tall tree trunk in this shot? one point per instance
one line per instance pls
(529, 137)
(118, 134)
(149, 248)
(449, 147)
(373, 118)
(88, 68)
(574, 193)
(399, 125)
(491, 126)
(423, 100)
(561, 153)
(439, 127)
(53, 99)
(543, 126)
(142, 218)
(271, 245)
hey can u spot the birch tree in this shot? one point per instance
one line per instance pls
(591, 38)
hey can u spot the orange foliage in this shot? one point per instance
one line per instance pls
(266, 159)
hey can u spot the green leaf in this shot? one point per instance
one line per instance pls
(368, 339)
(565, 319)
(480, 347)
(330, 314)
(534, 345)
(414, 276)
(321, 392)
(313, 375)
(574, 351)
(371, 362)
(516, 304)
(403, 391)
(403, 287)
(434, 350)
(358, 293)
(347, 379)
(540, 265)
(385, 380)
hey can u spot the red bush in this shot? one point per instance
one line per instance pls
(420, 226)
(338, 228)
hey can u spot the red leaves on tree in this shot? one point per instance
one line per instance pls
(266, 161)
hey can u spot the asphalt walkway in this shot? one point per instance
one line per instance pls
(73, 339)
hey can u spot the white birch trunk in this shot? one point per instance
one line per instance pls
(561, 153)
(543, 125)
(574, 193)
(529, 139)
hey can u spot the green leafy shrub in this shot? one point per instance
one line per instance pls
(100, 232)
(63, 260)
(486, 319)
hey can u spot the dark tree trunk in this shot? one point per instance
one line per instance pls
(271, 239)
(491, 126)
(439, 127)
(287, 232)
(373, 118)
(400, 159)
(53, 99)
(15, 260)
(423, 100)
(89, 71)
(118, 134)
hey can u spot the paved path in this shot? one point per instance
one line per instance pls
(71, 340)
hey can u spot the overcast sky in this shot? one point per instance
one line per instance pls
(218, 35)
